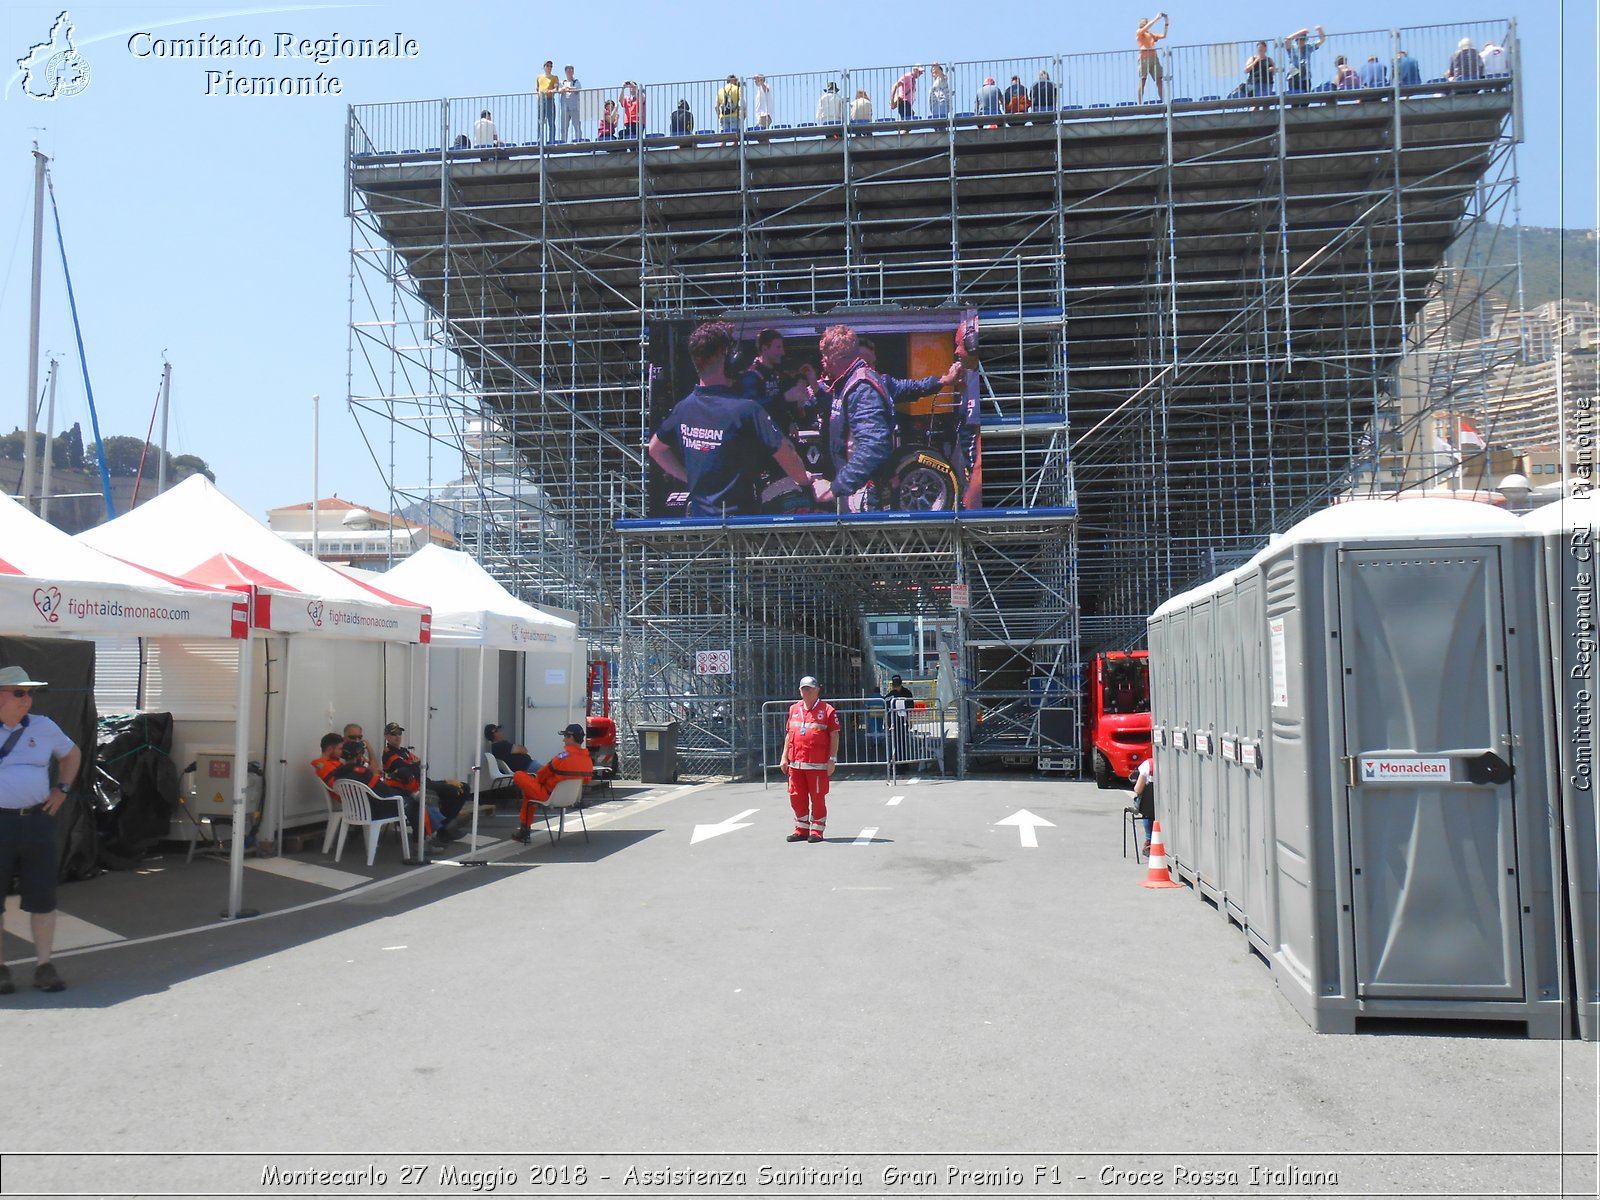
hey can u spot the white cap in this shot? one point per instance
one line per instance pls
(809, 681)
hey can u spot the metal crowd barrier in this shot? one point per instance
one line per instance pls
(871, 737)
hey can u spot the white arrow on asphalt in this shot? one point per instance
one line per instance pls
(702, 832)
(1027, 826)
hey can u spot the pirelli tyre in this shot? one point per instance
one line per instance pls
(921, 481)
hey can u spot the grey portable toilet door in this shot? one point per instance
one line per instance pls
(1434, 896)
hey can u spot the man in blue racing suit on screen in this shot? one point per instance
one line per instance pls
(717, 441)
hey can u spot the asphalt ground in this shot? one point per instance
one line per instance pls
(686, 992)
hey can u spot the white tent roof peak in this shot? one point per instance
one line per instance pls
(470, 605)
(194, 531)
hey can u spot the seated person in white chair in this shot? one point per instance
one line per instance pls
(515, 758)
(353, 765)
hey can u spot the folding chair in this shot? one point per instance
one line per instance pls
(566, 794)
(1132, 824)
(356, 799)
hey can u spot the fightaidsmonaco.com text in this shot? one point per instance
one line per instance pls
(321, 51)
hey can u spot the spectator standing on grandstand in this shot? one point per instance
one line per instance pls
(830, 105)
(1406, 71)
(1372, 73)
(938, 92)
(719, 442)
(1043, 95)
(861, 108)
(1466, 63)
(682, 119)
(760, 101)
(631, 103)
(547, 85)
(483, 131)
(608, 121)
(1016, 96)
(1259, 72)
(730, 105)
(571, 107)
(1297, 54)
(1149, 57)
(1494, 58)
(904, 97)
(1344, 75)
(988, 103)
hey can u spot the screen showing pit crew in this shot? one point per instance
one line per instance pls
(815, 416)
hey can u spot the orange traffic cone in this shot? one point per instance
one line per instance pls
(1159, 876)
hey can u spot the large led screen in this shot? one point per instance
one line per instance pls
(779, 418)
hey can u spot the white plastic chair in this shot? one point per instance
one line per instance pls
(495, 773)
(568, 794)
(335, 815)
(356, 798)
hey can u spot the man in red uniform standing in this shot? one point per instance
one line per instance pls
(572, 763)
(810, 756)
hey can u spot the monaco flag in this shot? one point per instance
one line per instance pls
(1470, 438)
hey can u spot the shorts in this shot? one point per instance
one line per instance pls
(28, 848)
(1149, 66)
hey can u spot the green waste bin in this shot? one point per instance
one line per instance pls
(658, 752)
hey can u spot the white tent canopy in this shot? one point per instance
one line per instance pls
(470, 607)
(195, 532)
(51, 585)
(54, 585)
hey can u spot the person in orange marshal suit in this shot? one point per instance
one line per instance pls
(573, 762)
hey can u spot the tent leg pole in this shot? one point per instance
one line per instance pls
(241, 780)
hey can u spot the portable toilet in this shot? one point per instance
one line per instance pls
(1415, 851)
(1388, 716)
(1567, 534)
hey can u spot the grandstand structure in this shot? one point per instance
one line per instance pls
(1193, 313)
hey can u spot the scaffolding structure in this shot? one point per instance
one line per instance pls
(1192, 312)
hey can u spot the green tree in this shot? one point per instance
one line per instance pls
(185, 465)
(123, 454)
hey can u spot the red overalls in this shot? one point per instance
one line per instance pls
(810, 739)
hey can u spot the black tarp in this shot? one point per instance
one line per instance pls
(68, 667)
(136, 759)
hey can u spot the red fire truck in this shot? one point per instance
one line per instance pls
(1119, 714)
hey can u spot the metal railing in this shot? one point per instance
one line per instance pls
(870, 736)
(800, 104)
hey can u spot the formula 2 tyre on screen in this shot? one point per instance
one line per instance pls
(921, 481)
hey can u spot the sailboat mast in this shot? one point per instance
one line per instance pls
(166, 395)
(39, 164)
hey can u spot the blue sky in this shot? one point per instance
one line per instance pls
(212, 227)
